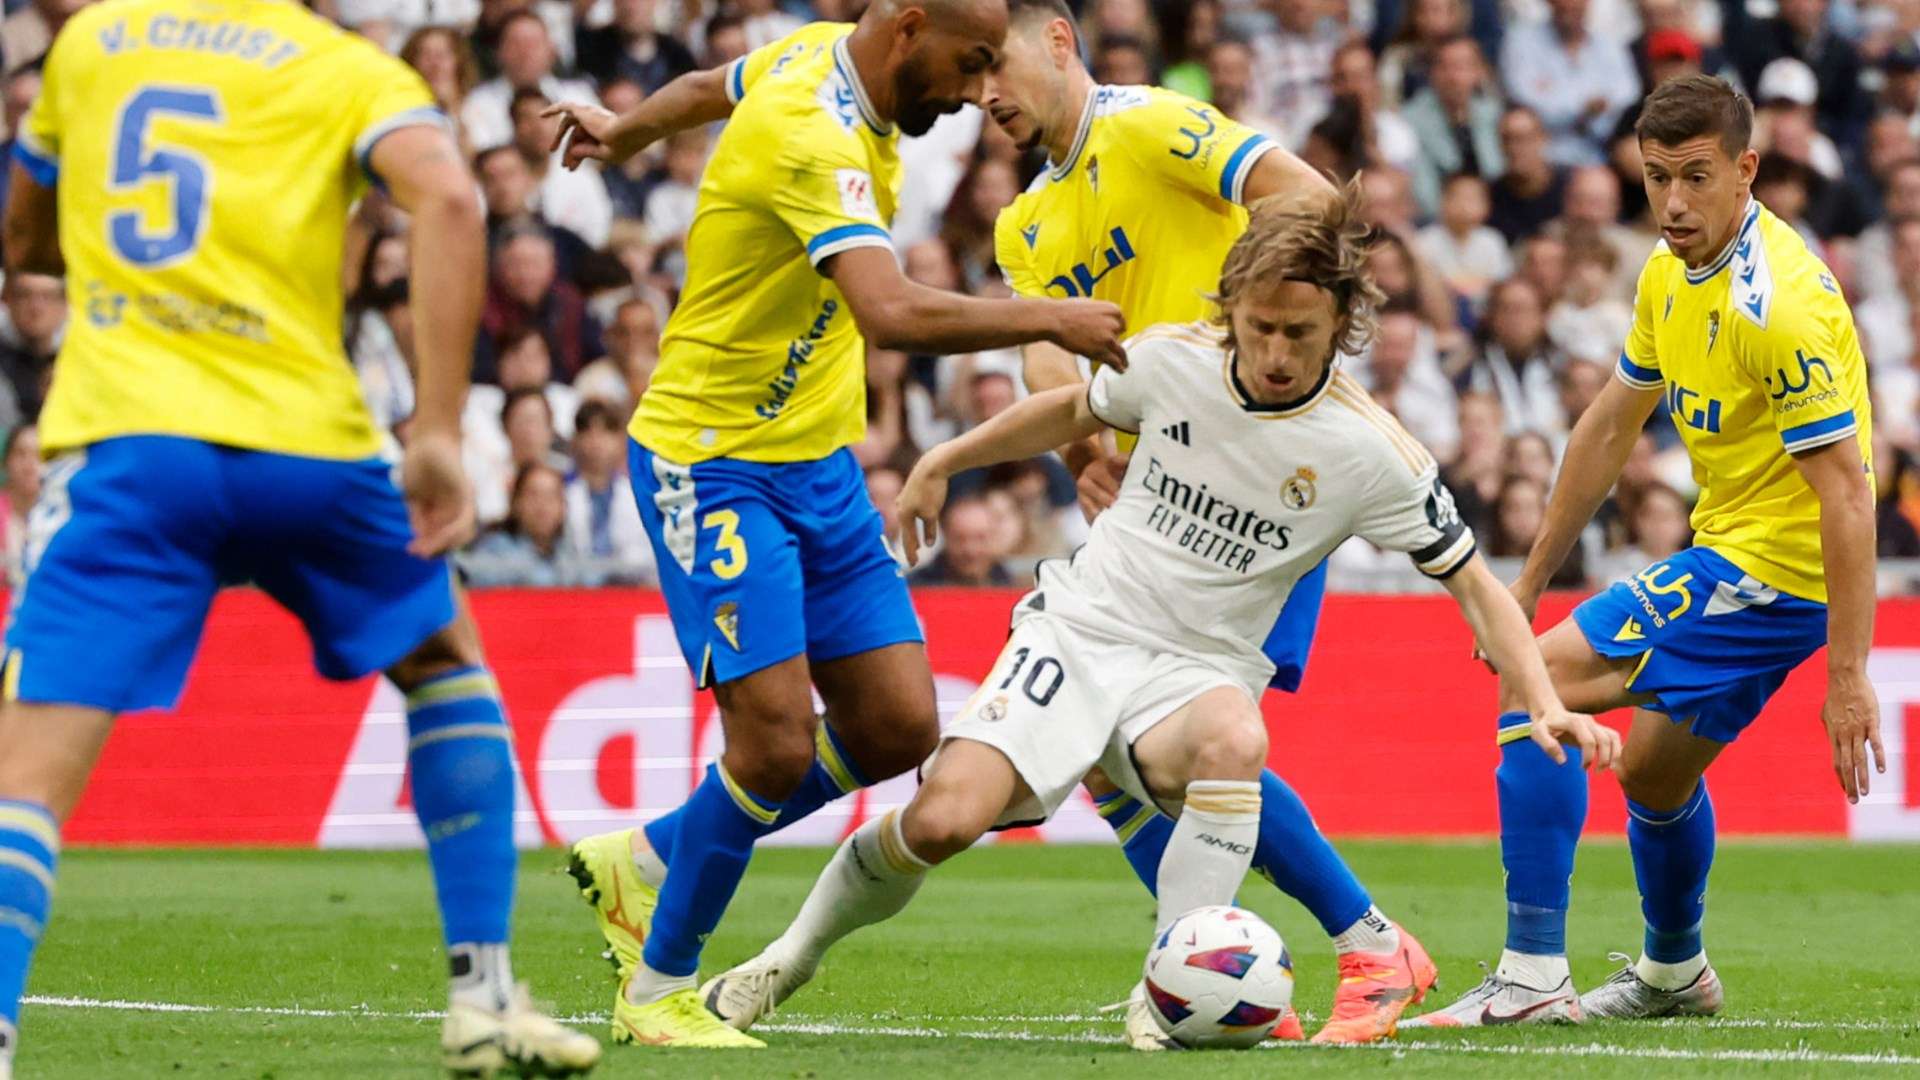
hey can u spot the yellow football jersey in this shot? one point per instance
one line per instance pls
(205, 155)
(1142, 211)
(1759, 360)
(762, 361)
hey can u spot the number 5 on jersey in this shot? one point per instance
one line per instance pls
(730, 560)
(186, 172)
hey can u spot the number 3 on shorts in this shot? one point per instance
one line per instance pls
(732, 560)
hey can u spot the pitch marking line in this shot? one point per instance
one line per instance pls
(1801, 1055)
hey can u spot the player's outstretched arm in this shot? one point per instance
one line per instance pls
(1505, 633)
(423, 170)
(1043, 367)
(1837, 475)
(1596, 452)
(589, 131)
(895, 312)
(31, 228)
(1034, 426)
(1282, 173)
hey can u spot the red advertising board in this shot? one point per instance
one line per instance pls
(1391, 735)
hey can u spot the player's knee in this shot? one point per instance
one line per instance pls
(943, 821)
(1652, 787)
(1231, 746)
(773, 762)
(891, 737)
(451, 648)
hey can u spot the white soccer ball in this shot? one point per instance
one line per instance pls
(1219, 977)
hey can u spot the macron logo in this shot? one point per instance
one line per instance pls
(1178, 433)
(1031, 234)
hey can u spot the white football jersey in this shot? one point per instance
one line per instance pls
(1227, 503)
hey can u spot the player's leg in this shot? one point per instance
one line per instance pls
(327, 539)
(1205, 757)
(1670, 831)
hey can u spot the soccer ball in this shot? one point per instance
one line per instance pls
(1219, 977)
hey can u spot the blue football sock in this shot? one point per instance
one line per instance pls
(29, 846)
(833, 774)
(1143, 834)
(1543, 807)
(1293, 855)
(461, 757)
(1672, 852)
(721, 820)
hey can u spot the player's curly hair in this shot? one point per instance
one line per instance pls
(1316, 238)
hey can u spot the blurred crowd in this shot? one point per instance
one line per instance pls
(1495, 142)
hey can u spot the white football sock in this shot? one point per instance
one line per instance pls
(1533, 970)
(646, 861)
(1211, 847)
(646, 984)
(1670, 976)
(869, 879)
(1370, 933)
(482, 975)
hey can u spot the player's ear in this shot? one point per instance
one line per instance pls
(908, 26)
(1060, 42)
(1748, 164)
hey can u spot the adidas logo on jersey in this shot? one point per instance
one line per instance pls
(1178, 433)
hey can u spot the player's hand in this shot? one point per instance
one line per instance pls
(1852, 716)
(1599, 744)
(1099, 484)
(1090, 328)
(591, 131)
(917, 509)
(439, 499)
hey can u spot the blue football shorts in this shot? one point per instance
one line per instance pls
(133, 536)
(761, 562)
(1714, 643)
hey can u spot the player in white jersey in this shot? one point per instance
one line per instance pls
(1142, 653)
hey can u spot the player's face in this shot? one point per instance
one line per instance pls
(946, 62)
(1283, 339)
(1697, 192)
(1024, 89)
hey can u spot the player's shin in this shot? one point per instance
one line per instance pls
(870, 878)
(719, 825)
(1292, 854)
(1211, 847)
(1672, 852)
(1142, 831)
(29, 848)
(461, 761)
(1543, 807)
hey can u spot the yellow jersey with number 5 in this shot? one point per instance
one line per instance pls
(1757, 355)
(206, 155)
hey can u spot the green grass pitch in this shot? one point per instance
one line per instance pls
(306, 964)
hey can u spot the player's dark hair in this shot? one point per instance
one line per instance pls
(1313, 239)
(595, 413)
(1020, 12)
(1689, 106)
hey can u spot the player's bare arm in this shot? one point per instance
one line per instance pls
(1284, 175)
(1044, 367)
(1596, 452)
(1034, 426)
(32, 237)
(895, 312)
(591, 132)
(426, 176)
(1852, 710)
(1505, 633)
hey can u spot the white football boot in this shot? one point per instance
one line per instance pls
(1626, 996)
(518, 1040)
(1504, 1001)
(747, 993)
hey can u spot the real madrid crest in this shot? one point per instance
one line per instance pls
(1298, 490)
(994, 711)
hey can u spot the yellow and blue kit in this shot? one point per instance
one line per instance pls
(1758, 358)
(768, 544)
(1141, 213)
(204, 425)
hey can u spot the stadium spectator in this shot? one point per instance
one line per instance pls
(632, 338)
(1402, 372)
(1576, 81)
(1122, 61)
(571, 199)
(1530, 192)
(1900, 81)
(21, 459)
(972, 545)
(1802, 30)
(1592, 211)
(1790, 189)
(1656, 529)
(526, 364)
(1479, 465)
(380, 344)
(527, 59)
(1874, 248)
(1187, 34)
(883, 487)
(630, 47)
(1231, 80)
(1409, 282)
(530, 547)
(532, 439)
(444, 59)
(603, 522)
(21, 88)
(1518, 363)
(36, 309)
(1296, 63)
(1543, 261)
(1386, 136)
(1467, 254)
(1408, 58)
(1897, 500)
(628, 182)
(1518, 515)
(1456, 119)
(886, 409)
(1886, 323)
(726, 41)
(986, 189)
(764, 23)
(1580, 382)
(526, 291)
(29, 30)
(1784, 120)
(507, 187)
(1590, 321)
(1662, 53)
(671, 203)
